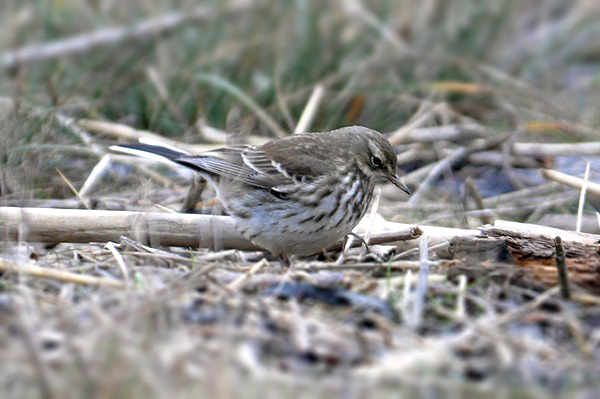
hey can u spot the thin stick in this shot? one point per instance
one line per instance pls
(82, 133)
(421, 116)
(405, 265)
(561, 265)
(310, 110)
(84, 201)
(474, 193)
(571, 181)
(382, 237)
(119, 258)
(586, 176)
(165, 209)
(346, 246)
(94, 175)
(54, 274)
(460, 300)
(549, 149)
(236, 284)
(436, 171)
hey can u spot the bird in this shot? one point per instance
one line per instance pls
(295, 195)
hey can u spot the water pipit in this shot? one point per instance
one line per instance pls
(295, 195)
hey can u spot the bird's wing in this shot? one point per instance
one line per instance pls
(295, 158)
(279, 164)
(232, 163)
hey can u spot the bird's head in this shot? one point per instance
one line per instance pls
(375, 155)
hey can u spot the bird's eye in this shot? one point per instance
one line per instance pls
(376, 161)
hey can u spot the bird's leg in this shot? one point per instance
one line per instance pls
(326, 254)
(353, 234)
(193, 196)
(285, 260)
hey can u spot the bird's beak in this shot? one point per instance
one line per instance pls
(397, 181)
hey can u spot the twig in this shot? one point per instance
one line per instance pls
(505, 227)
(235, 284)
(94, 176)
(586, 177)
(110, 246)
(82, 133)
(67, 277)
(526, 193)
(405, 265)
(384, 237)
(310, 110)
(84, 201)
(571, 181)
(436, 171)
(460, 299)
(507, 164)
(561, 265)
(421, 116)
(346, 246)
(474, 193)
(549, 149)
(413, 251)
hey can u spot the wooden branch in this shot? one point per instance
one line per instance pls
(533, 248)
(571, 181)
(55, 226)
(550, 149)
(508, 228)
(561, 265)
(384, 237)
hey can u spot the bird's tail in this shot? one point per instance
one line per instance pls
(150, 149)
